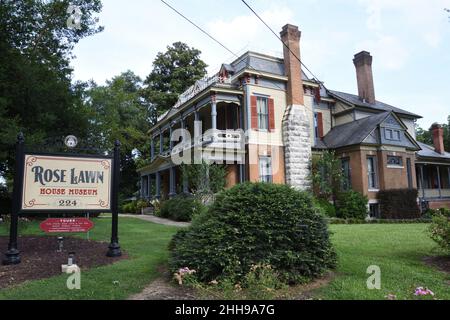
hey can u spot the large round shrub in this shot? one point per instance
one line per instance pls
(255, 223)
(351, 204)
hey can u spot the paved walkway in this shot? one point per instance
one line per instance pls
(157, 220)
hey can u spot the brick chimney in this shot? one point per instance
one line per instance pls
(296, 119)
(363, 64)
(290, 35)
(438, 137)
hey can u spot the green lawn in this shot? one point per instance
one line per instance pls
(146, 244)
(398, 249)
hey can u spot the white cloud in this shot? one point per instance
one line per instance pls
(388, 51)
(248, 31)
(427, 19)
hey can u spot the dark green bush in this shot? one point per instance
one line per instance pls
(351, 204)
(327, 207)
(180, 208)
(129, 207)
(256, 223)
(399, 204)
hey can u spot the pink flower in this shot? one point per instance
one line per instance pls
(420, 291)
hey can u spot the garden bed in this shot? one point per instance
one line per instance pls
(40, 258)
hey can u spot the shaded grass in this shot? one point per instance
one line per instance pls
(145, 243)
(398, 249)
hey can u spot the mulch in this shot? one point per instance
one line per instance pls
(40, 258)
(440, 262)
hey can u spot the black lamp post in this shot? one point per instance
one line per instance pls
(12, 256)
(114, 247)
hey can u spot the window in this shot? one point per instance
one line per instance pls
(394, 161)
(409, 173)
(262, 108)
(392, 134)
(374, 210)
(372, 172)
(316, 125)
(346, 181)
(265, 169)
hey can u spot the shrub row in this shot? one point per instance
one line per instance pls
(180, 208)
(377, 221)
(134, 207)
(349, 205)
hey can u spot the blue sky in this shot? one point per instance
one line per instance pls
(409, 39)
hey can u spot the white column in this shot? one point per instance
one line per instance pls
(213, 112)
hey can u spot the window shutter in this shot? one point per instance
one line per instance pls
(254, 113)
(271, 114)
(320, 124)
(317, 94)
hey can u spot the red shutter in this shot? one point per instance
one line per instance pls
(254, 113)
(317, 95)
(320, 124)
(271, 115)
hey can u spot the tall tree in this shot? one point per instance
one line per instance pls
(173, 72)
(120, 113)
(423, 136)
(36, 93)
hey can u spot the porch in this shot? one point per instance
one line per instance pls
(433, 184)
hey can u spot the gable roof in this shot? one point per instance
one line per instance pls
(354, 132)
(380, 106)
(429, 152)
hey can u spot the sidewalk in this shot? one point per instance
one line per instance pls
(157, 220)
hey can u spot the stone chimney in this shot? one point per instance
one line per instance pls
(364, 76)
(438, 138)
(296, 119)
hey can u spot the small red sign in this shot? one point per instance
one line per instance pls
(63, 225)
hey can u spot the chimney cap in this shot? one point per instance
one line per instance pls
(291, 31)
(363, 57)
(435, 126)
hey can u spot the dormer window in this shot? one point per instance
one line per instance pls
(392, 134)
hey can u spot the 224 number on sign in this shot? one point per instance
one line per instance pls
(67, 203)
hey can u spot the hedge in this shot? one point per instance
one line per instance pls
(399, 204)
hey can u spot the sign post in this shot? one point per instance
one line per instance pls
(12, 256)
(69, 183)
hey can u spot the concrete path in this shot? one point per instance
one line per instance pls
(157, 220)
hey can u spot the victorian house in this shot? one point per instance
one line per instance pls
(264, 119)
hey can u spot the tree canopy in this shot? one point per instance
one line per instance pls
(173, 72)
(37, 96)
(118, 112)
